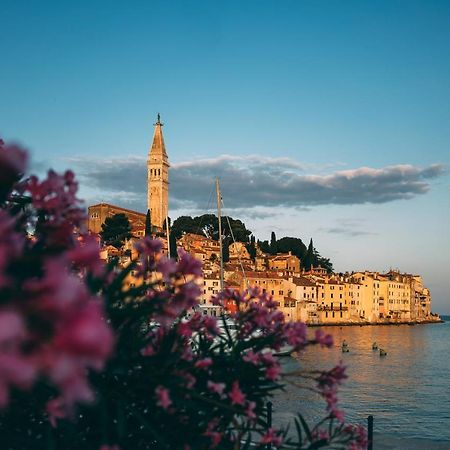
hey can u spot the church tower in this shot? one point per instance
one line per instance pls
(158, 178)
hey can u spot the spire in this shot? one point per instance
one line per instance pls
(158, 147)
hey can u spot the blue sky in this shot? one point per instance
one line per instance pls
(288, 89)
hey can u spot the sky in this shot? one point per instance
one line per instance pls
(323, 119)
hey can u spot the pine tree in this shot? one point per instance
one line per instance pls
(273, 244)
(148, 224)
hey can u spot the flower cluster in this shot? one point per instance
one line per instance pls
(51, 327)
(177, 378)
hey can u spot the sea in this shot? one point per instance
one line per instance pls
(407, 391)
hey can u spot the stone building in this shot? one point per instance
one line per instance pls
(97, 214)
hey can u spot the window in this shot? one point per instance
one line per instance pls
(95, 215)
(331, 295)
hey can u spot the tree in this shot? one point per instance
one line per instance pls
(251, 248)
(293, 245)
(264, 246)
(273, 244)
(173, 246)
(116, 230)
(148, 224)
(308, 260)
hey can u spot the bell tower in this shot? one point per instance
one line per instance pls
(158, 177)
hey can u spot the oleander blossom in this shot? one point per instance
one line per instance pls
(51, 326)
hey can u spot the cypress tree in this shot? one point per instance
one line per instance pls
(148, 224)
(309, 257)
(273, 244)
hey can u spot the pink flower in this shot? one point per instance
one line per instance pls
(271, 437)
(210, 432)
(163, 397)
(184, 329)
(320, 435)
(272, 372)
(56, 410)
(216, 388)
(250, 410)
(325, 340)
(12, 328)
(237, 397)
(87, 335)
(86, 255)
(295, 333)
(203, 363)
(188, 265)
(251, 357)
(167, 267)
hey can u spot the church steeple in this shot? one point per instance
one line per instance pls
(158, 147)
(158, 177)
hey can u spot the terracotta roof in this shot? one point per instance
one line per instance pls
(302, 281)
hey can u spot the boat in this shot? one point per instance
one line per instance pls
(383, 352)
(374, 346)
(286, 350)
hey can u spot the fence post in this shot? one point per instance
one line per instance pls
(370, 433)
(269, 420)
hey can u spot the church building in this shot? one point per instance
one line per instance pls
(157, 192)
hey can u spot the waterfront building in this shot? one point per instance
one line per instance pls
(332, 305)
(370, 295)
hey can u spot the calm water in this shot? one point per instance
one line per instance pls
(407, 392)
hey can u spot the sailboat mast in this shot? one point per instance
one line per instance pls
(219, 216)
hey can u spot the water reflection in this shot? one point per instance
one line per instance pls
(408, 391)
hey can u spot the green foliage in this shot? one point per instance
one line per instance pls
(251, 247)
(264, 246)
(293, 245)
(116, 230)
(148, 224)
(208, 225)
(273, 244)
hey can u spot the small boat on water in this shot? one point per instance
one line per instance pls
(345, 348)
(374, 346)
(284, 351)
(383, 352)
